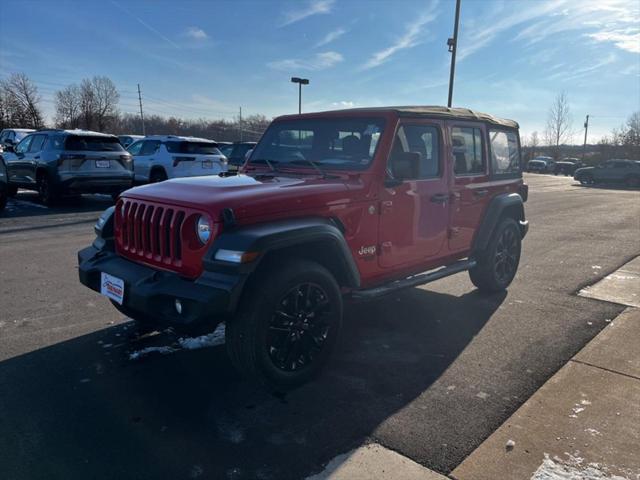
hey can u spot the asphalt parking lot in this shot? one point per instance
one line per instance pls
(430, 372)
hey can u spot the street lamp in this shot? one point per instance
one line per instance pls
(300, 82)
(452, 44)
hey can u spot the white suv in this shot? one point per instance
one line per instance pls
(159, 157)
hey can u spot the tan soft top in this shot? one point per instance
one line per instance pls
(434, 111)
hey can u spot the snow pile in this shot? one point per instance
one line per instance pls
(572, 469)
(165, 350)
(212, 339)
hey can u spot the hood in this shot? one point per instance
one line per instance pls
(248, 196)
(583, 169)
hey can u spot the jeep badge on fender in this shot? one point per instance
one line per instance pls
(274, 249)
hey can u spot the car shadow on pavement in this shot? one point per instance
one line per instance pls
(27, 204)
(83, 409)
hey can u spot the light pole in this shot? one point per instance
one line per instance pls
(300, 82)
(452, 43)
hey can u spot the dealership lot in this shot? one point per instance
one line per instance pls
(430, 372)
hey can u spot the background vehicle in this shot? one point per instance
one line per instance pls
(236, 152)
(541, 165)
(612, 171)
(59, 162)
(9, 137)
(126, 140)
(567, 166)
(4, 185)
(159, 157)
(357, 202)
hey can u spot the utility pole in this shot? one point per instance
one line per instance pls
(141, 114)
(240, 123)
(586, 129)
(453, 47)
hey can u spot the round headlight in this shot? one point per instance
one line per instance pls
(203, 229)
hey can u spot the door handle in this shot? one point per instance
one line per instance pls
(480, 193)
(440, 198)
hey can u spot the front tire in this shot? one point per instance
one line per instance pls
(586, 180)
(287, 325)
(498, 264)
(632, 181)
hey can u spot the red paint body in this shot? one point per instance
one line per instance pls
(411, 233)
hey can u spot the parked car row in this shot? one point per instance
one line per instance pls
(542, 164)
(56, 162)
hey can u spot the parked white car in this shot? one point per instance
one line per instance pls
(159, 157)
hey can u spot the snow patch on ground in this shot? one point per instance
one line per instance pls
(212, 339)
(572, 469)
(165, 350)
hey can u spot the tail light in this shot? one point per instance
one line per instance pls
(126, 161)
(177, 160)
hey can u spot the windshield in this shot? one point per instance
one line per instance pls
(93, 143)
(195, 148)
(341, 143)
(226, 149)
(21, 135)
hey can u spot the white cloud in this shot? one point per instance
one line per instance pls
(343, 104)
(613, 21)
(575, 73)
(409, 39)
(196, 33)
(314, 7)
(625, 39)
(319, 61)
(331, 37)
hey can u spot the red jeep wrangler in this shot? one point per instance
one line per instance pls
(354, 203)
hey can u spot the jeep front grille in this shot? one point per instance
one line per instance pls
(149, 231)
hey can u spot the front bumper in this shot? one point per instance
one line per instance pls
(152, 293)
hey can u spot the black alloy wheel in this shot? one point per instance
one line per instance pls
(299, 327)
(506, 255)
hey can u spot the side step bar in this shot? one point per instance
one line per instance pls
(413, 281)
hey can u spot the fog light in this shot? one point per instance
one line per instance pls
(178, 305)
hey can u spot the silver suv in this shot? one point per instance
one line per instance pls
(58, 162)
(159, 157)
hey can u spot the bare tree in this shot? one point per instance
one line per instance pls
(21, 101)
(68, 107)
(106, 98)
(559, 124)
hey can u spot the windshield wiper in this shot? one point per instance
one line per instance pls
(313, 164)
(270, 163)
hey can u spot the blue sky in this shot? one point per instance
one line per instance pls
(207, 58)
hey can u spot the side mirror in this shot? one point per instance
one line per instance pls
(405, 165)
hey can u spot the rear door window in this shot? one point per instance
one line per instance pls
(468, 151)
(93, 143)
(505, 154)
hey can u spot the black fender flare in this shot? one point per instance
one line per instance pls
(269, 237)
(505, 203)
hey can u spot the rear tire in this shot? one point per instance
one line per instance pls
(46, 190)
(498, 264)
(157, 176)
(287, 325)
